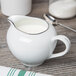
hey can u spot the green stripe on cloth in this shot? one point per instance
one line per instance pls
(9, 72)
(32, 74)
(14, 72)
(29, 74)
(22, 73)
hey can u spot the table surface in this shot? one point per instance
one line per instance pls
(63, 66)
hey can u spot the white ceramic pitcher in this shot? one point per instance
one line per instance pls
(16, 7)
(33, 49)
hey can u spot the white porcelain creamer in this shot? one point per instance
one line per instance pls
(33, 40)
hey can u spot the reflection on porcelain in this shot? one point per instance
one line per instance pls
(33, 49)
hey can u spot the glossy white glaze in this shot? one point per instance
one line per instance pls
(34, 49)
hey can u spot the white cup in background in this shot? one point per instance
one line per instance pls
(16, 7)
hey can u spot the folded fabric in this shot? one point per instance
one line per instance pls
(7, 71)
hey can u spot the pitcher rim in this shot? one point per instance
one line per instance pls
(31, 33)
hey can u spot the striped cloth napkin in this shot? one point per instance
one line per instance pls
(7, 71)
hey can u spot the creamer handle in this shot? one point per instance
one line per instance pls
(67, 43)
